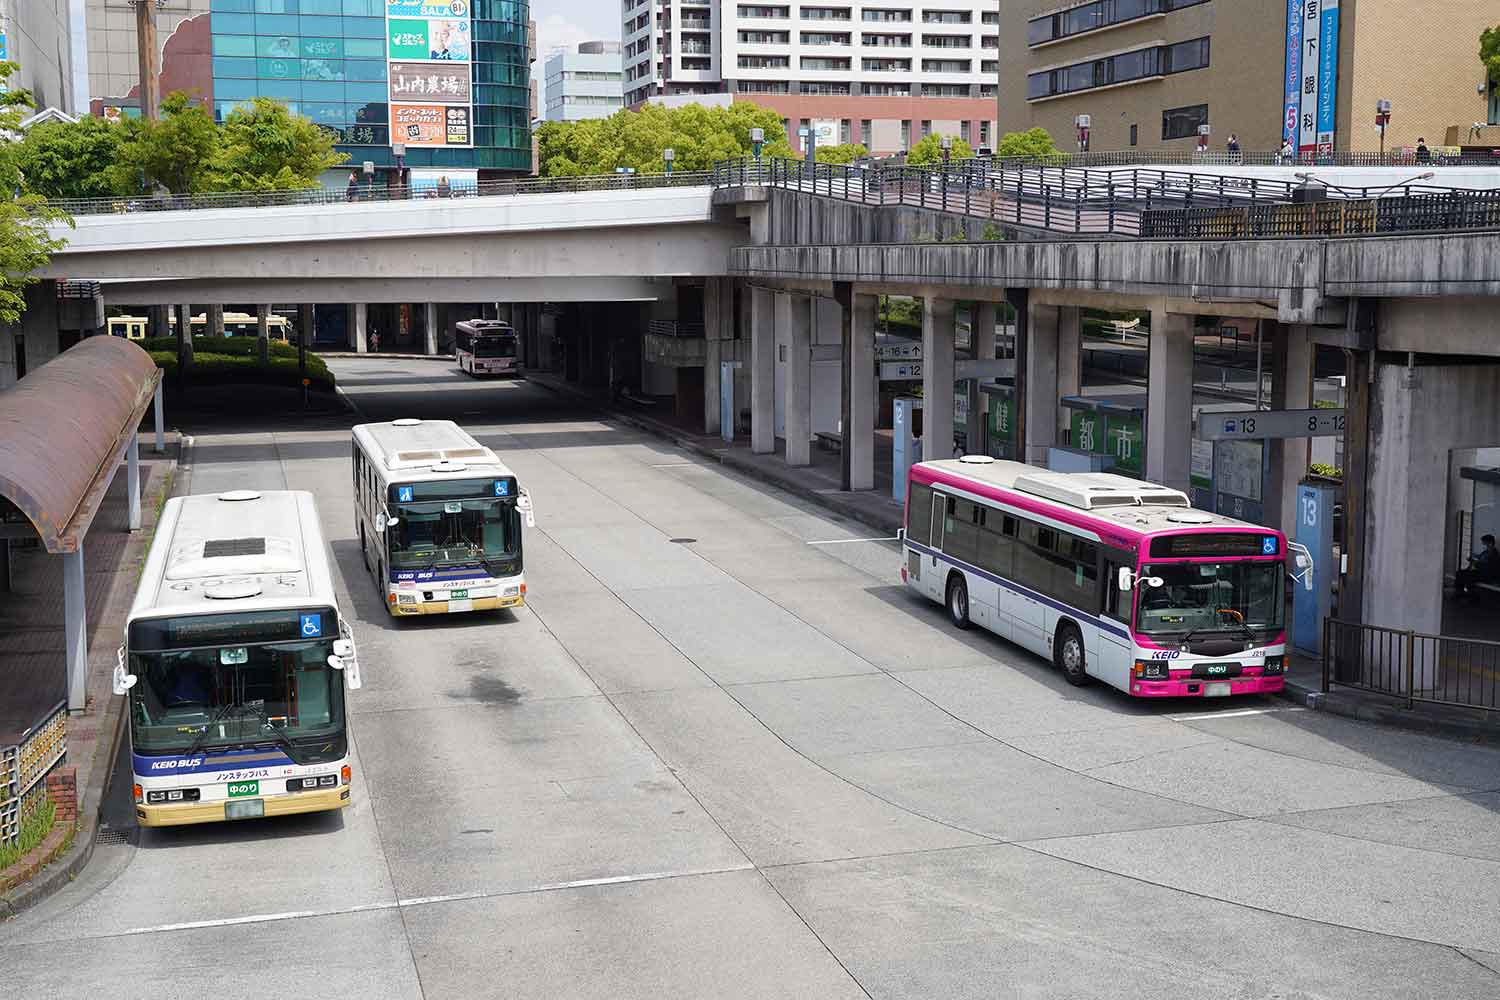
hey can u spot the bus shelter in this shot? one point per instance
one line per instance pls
(64, 431)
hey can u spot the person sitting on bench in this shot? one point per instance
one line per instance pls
(1483, 568)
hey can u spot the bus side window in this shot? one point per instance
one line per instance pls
(919, 514)
(1116, 604)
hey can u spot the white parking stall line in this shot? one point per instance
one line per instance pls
(1234, 715)
(848, 541)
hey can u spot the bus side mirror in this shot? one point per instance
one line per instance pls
(523, 504)
(345, 659)
(1302, 558)
(1124, 581)
(384, 520)
(123, 682)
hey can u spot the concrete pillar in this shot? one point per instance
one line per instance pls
(133, 482)
(1169, 400)
(160, 419)
(263, 333)
(184, 340)
(718, 298)
(937, 378)
(1292, 353)
(215, 321)
(75, 629)
(5, 577)
(1069, 355)
(982, 341)
(1041, 394)
(799, 316)
(859, 436)
(157, 321)
(432, 328)
(762, 371)
(359, 328)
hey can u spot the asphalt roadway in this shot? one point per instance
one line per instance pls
(722, 753)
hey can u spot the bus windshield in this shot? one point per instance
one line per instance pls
(495, 346)
(444, 534)
(1212, 597)
(218, 696)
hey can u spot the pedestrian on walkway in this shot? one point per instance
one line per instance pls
(1483, 568)
(353, 189)
(1233, 148)
(1424, 155)
(375, 340)
(444, 188)
(1287, 154)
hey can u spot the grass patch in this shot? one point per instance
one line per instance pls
(243, 367)
(33, 830)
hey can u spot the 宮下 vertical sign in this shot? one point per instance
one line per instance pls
(1312, 72)
(429, 59)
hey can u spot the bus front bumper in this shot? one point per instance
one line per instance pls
(288, 804)
(1198, 688)
(443, 607)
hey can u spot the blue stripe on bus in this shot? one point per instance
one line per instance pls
(1024, 591)
(235, 760)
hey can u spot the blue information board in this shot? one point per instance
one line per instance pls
(1314, 530)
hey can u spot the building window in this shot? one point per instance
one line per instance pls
(764, 87)
(1096, 15)
(826, 89)
(1140, 64)
(945, 90)
(824, 64)
(886, 15)
(886, 65)
(825, 38)
(990, 66)
(887, 41)
(926, 129)
(866, 133)
(887, 89)
(769, 12)
(1132, 135)
(945, 65)
(948, 41)
(825, 13)
(987, 90)
(990, 17)
(765, 62)
(984, 133)
(989, 42)
(963, 130)
(765, 37)
(947, 17)
(1180, 123)
(906, 134)
(844, 131)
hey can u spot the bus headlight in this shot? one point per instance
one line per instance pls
(1275, 665)
(1151, 670)
(172, 795)
(310, 783)
(406, 598)
(511, 592)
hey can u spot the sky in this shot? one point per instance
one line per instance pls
(568, 22)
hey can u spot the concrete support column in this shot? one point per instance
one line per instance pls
(263, 333)
(215, 321)
(1041, 395)
(718, 296)
(431, 326)
(75, 629)
(982, 339)
(937, 378)
(1069, 356)
(158, 325)
(184, 340)
(859, 436)
(133, 482)
(359, 328)
(160, 419)
(762, 371)
(5, 578)
(1292, 353)
(1169, 400)
(799, 315)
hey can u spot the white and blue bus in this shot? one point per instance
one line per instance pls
(235, 664)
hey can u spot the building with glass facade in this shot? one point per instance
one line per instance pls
(330, 60)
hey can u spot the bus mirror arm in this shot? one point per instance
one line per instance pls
(123, 682)
(1302, 556)
(345, 658)
(1128, 581)
(523, 504)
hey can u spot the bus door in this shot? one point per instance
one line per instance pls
(934, 580)
(1116, 652)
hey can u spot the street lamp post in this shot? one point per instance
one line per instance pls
(668, 155)
(1083, 123)
(369, 172)
(398, 150)
(1382, 118)
(757, 139)
(947, 143)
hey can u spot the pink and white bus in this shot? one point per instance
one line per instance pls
(1112, 578)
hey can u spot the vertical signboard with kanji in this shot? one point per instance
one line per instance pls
(429, 55)
(1312, 73)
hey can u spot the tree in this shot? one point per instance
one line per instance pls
(264, 147)
(844, 153)
(698, 137)
(1489, 52)
(1034, 142)
(25, 244)
(929, 151)
(71, 160)
(176, 152)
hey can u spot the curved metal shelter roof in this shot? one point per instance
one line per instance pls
(63, 429)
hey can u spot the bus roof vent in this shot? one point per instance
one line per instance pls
(218, 548)
(450, 467)
(237, 496)
(232, 590)
(405, 422)
(1168, 498)
(1189, 517)
(1095, 490)
(452, 454)
(977, 460)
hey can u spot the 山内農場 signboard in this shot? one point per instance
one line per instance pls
(429, 52)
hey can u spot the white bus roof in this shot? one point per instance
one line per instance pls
(421, 450)
(243, 550)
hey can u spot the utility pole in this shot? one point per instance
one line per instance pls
(145, 39)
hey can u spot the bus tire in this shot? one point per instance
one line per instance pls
(1068, 652)
(958, 601)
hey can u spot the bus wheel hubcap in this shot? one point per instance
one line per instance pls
(959, 604)
(1072, 658)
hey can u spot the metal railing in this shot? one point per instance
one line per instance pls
(1412, 666)
(673, 328)
(1249, 158)
(372, 194)
(1447, 212)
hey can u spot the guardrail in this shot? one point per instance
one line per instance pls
(1248, 158)
(1412, 666)
(1446, 212)
(363, 194)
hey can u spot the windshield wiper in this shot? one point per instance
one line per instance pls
(208, 729)
(278, 738)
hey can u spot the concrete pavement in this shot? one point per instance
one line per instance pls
(723, 753)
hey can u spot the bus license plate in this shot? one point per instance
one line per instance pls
(245, 809)
(1217, 689)
(463, 605)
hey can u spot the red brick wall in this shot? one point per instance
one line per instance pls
(62, 792)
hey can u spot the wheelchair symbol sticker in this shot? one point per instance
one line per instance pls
(312, 626)
(403, 494)
(1268, 545)
(502, 488)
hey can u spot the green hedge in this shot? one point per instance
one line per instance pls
(238, 347)
(209, 367)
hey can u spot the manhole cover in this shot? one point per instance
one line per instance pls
(683, 541)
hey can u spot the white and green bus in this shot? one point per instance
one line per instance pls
(235, 663)
(439, 518)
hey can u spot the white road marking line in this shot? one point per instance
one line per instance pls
(677, 465)
(846, 541)
(1233, 715)
(457, 897)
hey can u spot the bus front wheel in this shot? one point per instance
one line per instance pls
(1069, 655)
(958, 601)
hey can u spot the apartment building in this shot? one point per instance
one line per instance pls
(1150, 73)
(584, 83)
(882, 74)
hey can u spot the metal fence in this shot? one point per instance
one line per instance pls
(370, 194)
(1447, 212)
(24, 768)
(1412, 666)
(1250, 158)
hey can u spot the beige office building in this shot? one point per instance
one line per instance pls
(1149, 73)
(114, 63)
